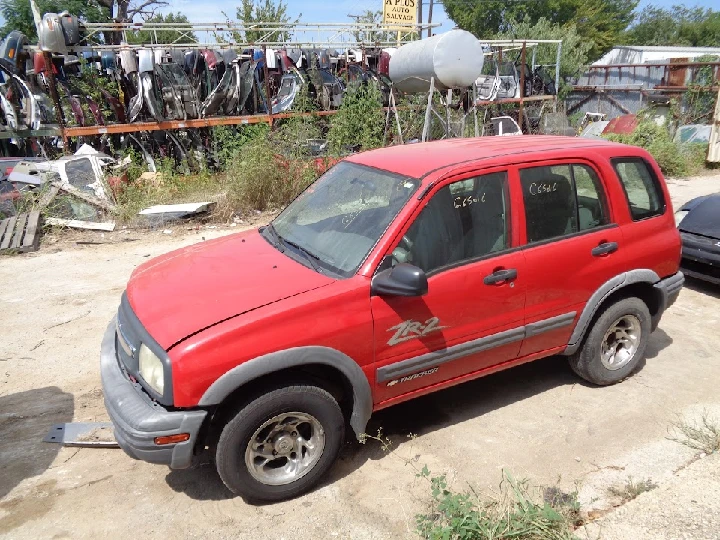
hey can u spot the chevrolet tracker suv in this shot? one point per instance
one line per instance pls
(401, 271)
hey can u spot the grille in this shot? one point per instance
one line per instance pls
(127, 337)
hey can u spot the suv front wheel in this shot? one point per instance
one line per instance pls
(615, 344)
(280, 444)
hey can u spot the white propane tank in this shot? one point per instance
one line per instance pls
(454, 59)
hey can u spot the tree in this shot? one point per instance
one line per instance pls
(164, 36)
(677, 25)
(265, 11)
(127, 10)
(372, 17)
(600, 21)
(575, 48)
(18, 15)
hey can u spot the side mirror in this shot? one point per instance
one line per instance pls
(401, 280)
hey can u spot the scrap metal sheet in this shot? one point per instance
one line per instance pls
(87, 434)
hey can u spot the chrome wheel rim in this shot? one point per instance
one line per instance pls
(621, 342)
(285, 448)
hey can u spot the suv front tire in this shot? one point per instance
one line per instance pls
(280, 444)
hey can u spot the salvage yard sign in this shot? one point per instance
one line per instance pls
(399, 12)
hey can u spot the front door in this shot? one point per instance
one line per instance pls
(472, 315)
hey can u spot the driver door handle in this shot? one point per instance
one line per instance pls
(604, 248)
(500, 276)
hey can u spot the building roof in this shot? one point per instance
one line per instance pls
(641, 54)
(668, 48)
(417, 160)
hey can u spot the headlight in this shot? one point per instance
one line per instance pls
(151, 369)
(680, 215)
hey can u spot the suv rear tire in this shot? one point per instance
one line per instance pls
(615, 344)
(280, 444)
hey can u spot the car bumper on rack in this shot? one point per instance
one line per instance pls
(138, 421)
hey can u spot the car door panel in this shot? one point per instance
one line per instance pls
(565, 263)
(458, 309)
(563, 276)
(476, 289)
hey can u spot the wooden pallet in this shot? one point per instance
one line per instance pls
(20, 233)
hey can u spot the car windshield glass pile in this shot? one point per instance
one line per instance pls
(338, 219)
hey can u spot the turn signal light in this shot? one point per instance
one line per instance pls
(172, 439)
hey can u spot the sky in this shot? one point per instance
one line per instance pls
(311, 11)
(338, 10)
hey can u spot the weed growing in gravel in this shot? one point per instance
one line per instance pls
(631, 489)
(517, 511)
(703, 435)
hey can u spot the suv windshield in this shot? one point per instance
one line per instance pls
(339, 218)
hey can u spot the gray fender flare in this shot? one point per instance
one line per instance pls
(600, 295)
(296, 357)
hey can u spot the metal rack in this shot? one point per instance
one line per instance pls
(303, 35)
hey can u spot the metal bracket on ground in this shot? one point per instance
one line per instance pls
(83, 434)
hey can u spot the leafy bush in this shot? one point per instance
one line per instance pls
(228, 140)
(360, 121)
(673, 158)
(260, 178)
(515, 514)
(576, 47)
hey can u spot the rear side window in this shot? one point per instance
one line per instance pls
(561, 200)
(642, 188)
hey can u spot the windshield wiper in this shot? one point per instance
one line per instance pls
(310, 257)
(277, 240)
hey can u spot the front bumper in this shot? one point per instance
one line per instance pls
(701, 264)
(669, 289)
(137, 419)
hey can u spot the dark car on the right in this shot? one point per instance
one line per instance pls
(699, 224)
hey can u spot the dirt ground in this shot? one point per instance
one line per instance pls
(536, 420)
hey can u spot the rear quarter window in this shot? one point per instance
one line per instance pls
(642, 188)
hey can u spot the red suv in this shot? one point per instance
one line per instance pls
(401, 271)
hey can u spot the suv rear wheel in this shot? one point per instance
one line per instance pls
(280, 444)
(615, 344)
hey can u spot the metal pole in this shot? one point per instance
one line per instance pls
(430, 10)
(533, 57)
(268, 105)
(523, 59)
(55, 97)
(397, 118)
(420, 17)
(428, 110)
(448, 100)
(557, 74)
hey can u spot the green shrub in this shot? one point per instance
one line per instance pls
(229, 140)
(514, 514)
(674, 159)
(360, 121)
(261, 178)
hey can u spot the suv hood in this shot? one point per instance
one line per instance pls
(704, 216)
(188, 290)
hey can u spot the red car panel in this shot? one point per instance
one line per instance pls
(177, 294)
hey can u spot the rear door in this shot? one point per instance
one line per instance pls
(572, 247)
(471, 317)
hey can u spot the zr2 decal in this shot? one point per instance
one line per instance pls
(407, 330)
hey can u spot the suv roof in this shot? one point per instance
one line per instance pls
(416, 160)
